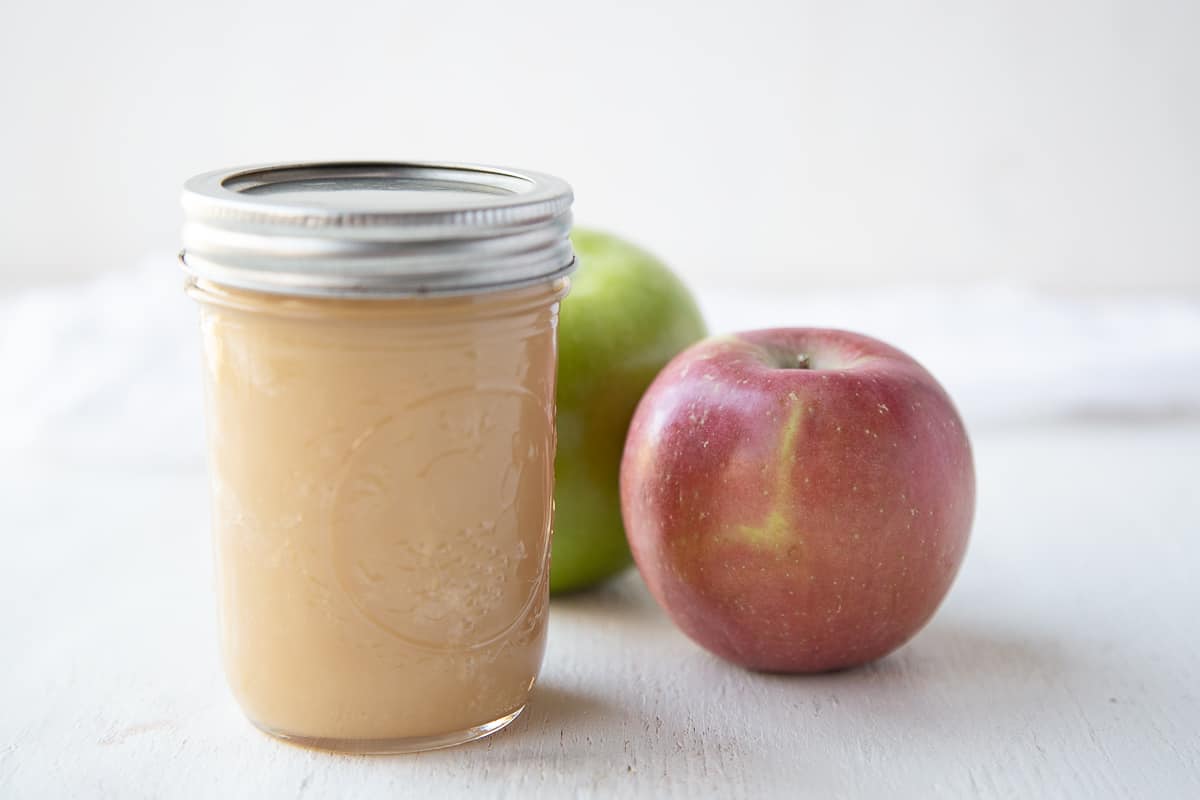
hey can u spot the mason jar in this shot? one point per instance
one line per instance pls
(379, 361)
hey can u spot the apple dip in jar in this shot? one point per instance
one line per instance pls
(379, 362)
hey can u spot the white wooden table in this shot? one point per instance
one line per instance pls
(1066, 661)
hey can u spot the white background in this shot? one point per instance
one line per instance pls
(775, 143)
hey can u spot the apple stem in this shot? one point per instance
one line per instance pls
(801, 361)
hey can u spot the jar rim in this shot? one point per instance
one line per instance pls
(449, 309)
(376, 229)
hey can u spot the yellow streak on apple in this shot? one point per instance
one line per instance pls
(774, 529)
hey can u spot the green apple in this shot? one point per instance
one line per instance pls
(626, 316)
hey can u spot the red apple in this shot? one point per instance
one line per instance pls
(797, 499)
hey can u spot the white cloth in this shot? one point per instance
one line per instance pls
(108, 371)
(1008, 354)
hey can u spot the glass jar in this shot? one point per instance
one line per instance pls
(379, 350)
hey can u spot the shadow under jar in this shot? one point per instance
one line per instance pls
(379, 360)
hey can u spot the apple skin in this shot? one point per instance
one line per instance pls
(626, 316)
(797, 519)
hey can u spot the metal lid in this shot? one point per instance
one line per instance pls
(376, 229)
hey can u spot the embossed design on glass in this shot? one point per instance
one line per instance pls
(457, 581)
(381, 478)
